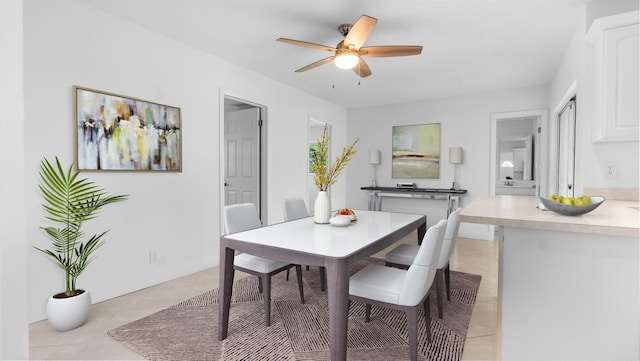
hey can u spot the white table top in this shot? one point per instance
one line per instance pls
(303, 235)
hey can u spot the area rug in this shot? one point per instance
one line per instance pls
(189, 330)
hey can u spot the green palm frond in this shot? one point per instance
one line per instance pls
(70, 202)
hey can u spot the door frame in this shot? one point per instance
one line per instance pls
(262, 163)
(312, 190)
(553, 137)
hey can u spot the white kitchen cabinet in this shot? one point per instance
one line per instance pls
(613, 72)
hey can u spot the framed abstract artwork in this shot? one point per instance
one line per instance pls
(416, 151)
(121, 133)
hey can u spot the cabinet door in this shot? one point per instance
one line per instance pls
(615, 71)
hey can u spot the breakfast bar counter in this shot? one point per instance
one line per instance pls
(568, 287)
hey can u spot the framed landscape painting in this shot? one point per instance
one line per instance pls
(416, 151)
(116, 132)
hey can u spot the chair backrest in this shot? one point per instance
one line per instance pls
(450, 236)
(294, 208)
(422, 271)
(241, 217)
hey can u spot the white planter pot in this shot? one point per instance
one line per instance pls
(65, 314)
(322, 208)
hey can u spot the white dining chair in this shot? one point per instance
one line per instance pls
(295, 208)
(402, 256)
(243, 217)
(400, 289)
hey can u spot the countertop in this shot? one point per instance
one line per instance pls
(613, 217)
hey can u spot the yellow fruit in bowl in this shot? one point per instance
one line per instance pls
(567, 200)
(578, 201)
(554, 198)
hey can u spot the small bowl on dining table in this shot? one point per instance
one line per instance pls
(340, 221)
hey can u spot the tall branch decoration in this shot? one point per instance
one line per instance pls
(324, 177)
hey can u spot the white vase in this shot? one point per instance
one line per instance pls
(322, 208)
(68, 313)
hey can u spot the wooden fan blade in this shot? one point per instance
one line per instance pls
(390, 50)
(360, 31)
(316, 64)
(307, 44)
(362, 69)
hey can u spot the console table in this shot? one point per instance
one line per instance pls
(376, 193)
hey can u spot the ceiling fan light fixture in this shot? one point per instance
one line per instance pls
(346, 60)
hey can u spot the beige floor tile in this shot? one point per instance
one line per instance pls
(480, 348)
(483, 319)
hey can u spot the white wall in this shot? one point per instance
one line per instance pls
(591, 158)
(13, 313)
(465, 122)
(175, 214)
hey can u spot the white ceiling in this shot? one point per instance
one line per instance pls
(469, 47)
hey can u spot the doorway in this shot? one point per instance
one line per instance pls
(518, 153)
(242, 153)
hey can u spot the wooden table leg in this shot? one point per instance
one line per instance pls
(226, 286)
(338, 297)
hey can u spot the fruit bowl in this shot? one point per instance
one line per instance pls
(347, 213)
(569, 210)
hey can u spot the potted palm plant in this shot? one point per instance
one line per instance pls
(69, 202)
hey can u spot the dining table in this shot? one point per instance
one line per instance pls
(335, 247)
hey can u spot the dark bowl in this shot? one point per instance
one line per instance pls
(569, 210)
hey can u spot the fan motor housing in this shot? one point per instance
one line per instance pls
(344, 29)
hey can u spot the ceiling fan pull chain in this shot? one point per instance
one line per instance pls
(333, 78)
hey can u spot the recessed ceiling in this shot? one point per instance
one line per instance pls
(469, 47)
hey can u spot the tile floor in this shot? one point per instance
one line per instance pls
(91, 342)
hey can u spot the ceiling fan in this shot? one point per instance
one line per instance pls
(349, 53)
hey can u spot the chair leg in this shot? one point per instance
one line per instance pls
(267, 299)
(412, 325)
(447, 282)
(439, 276)
(299, 276)
(288, 274)
(427, 317)
(260, 284)
(367, 313)
(323, 278)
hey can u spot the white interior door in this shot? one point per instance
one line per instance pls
(242, 152)
(566, 149)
